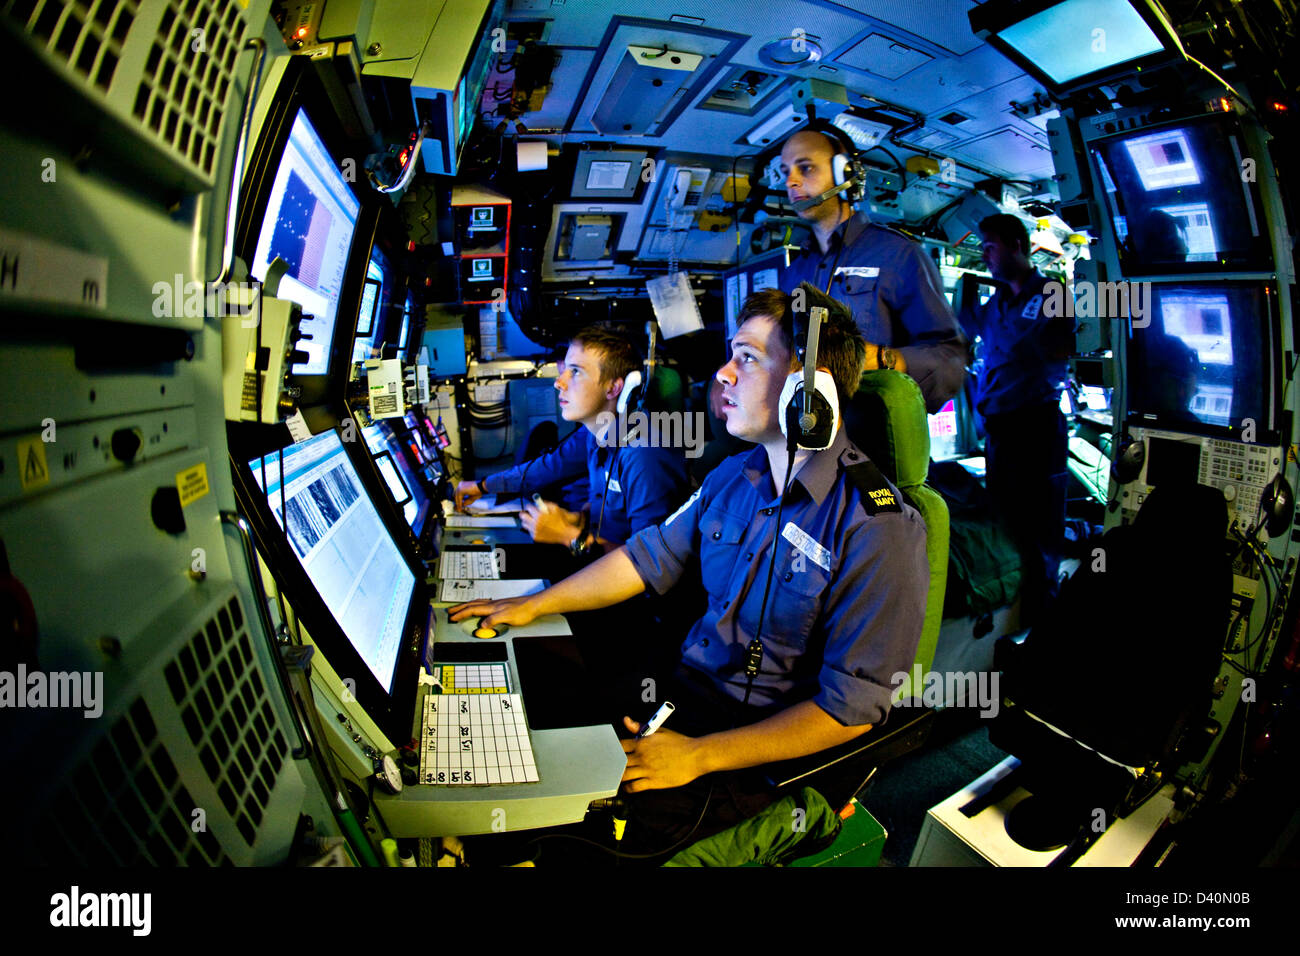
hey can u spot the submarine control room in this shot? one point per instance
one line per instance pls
(527, 433)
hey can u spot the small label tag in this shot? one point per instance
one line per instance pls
(689, 501)
(1032, 308)
(192, 483)
(615, 487)
(807, 544)
(298, 427)
(861, 272)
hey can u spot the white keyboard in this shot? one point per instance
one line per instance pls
(475, 740)
(475, 565)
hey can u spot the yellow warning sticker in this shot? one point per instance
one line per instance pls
(192, 483)
(32, 467)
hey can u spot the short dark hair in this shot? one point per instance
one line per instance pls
(1007, 228)
(616, 353)
(840, 346)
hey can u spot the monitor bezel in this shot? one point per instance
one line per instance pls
(1268, 432)
(1260, 260)
(393, 712)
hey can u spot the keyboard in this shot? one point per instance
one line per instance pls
(475, 740)
(477, 565)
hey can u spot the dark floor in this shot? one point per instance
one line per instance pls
(904, 789)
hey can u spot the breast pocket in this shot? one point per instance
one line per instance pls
(798, 588)
(860, 294)
(720, 537)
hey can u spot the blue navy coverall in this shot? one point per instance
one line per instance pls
(896, 296)
(1019, 397)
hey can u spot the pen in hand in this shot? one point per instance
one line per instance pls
(655, 722)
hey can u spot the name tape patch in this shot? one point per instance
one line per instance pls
(689, 501)
(1031, 308)
(807, 544)
(861, 272)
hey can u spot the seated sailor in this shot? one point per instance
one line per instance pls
(631, 485)
(808, 666)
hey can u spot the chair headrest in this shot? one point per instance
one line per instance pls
(891, 426)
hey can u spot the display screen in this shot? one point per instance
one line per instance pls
(1079, 37)
(310, 218)
(343, 546)
(395, 464)
(1203, 357)
(375, 298)
(1179, 200)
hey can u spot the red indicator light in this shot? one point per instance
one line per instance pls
(301, 32)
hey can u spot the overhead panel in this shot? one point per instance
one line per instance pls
(883, 56)
(647, 72)
(1008, 152)
(644, 83)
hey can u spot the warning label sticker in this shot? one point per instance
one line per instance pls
(192, 483)
(32, 467)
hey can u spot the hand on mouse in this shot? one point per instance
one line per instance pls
(514, 611)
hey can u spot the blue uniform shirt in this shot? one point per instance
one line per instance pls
(632, 487)
(896, 296)
(848, 590)
(1024, 350)
(567, 464)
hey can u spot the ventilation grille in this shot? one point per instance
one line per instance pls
(182, 59)
(227, 714)
(89, 36)
(128, 805)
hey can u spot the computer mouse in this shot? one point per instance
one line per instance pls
(472, 627)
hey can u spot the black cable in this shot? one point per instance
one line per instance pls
(756, 643)
(634, 856)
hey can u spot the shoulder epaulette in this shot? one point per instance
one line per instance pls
(877, 494)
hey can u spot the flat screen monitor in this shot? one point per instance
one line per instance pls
(1179, 201)
(402, 476)
(1069, 44)
(1205, 360)
(338, 537)
(310, 218)
(376, 295)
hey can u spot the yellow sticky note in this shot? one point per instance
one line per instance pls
(192, 483)
(32, 467)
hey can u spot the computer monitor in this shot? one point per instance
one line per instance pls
(356, 590)
(1205, 362)
(372, 313)
(403, 476)
(310, 217)
(296, 206)
(1179, 201)
(1070, 44)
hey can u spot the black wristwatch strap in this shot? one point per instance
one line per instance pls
(482, 488)
(581, 545)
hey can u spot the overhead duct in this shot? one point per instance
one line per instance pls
(645, 82)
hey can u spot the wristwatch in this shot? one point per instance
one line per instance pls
(886, 357)
(582, 544)
(482, 488)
